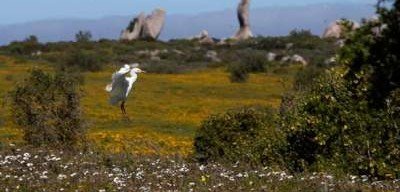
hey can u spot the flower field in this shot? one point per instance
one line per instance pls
(46, 170)
(164, 109)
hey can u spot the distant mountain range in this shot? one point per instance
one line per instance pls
(268, 21)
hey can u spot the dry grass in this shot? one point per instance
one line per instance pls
(165, 109)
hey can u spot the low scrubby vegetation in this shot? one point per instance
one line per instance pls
(47, 109)
(337, 129)
(242, 135)
(176, 56)
(81, 60)
(346, 119)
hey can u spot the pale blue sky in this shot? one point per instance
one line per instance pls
(17, 11)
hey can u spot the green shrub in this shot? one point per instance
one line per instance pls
(347, 120)
(25, 47)
(238, 73)
(47, 108)
(376, 51)
(247, 61)
(253, 61)
(248, 134)
(82, 60)
(83, 36)
(331, 127)
(170, 67)
(164, 68)
(195, 56)
(305, 77)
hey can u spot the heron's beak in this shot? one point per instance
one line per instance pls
(144, 72)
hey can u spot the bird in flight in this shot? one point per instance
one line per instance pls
(121, 85)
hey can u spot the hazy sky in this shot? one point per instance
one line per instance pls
(17, 11)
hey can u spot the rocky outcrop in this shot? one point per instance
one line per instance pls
(335, 29)
(147, 28)
(212, 56)
(204, 38)
(298, 60)
(134, 29)
(244, 31)
(330, 61)
(285, 59)
(271, 56)
(153, 25)
(294, 59)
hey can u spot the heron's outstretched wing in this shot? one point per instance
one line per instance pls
(119, 87)
(109, 86)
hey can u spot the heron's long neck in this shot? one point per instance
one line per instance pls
(132, 78)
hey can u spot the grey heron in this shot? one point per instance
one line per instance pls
(122, 84)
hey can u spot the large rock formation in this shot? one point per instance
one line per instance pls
(147, 28)
(134, 29)
(244, 31)
(153, 25)
(335, 29)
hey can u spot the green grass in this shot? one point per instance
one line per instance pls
(164, 109)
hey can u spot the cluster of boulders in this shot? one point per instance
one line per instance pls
(287, 59)
(204, 38)
(155, 55)
(335, 29)
(149, 27)
(36, 53)
(145, 27)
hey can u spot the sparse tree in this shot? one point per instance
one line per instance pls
(83, 36)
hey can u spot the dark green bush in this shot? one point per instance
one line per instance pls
(305, 77)
(83, 36)
(164, 68)
(254, 61)
(82, 60)
(47, 108)
(248, 61)
(248, 134)
(195, 56)
(331, 127)
(345, 120)
(170, 67)
(26, 47)
(238, 73)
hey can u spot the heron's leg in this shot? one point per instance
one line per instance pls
(123, 108)
(124, 111)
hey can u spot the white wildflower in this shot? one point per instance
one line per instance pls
(61, 177)
(202, 167)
